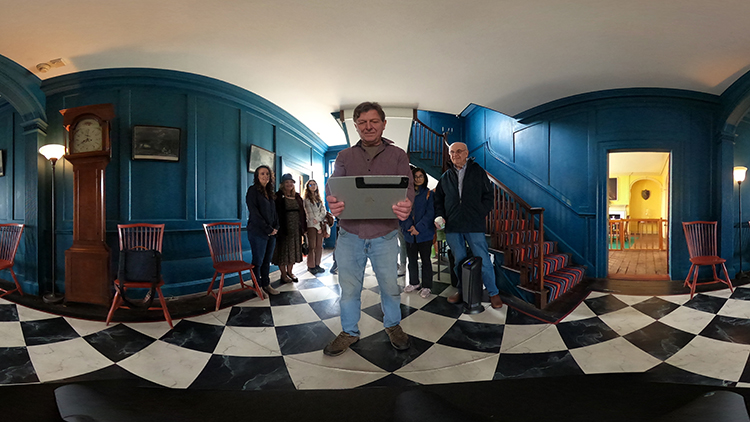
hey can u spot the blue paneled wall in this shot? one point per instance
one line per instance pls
(218, 123)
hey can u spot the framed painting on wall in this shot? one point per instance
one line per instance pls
(612, 189)
(258, 157)
(156, 143)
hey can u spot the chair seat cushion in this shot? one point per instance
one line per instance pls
(707, 260)
(232, 266)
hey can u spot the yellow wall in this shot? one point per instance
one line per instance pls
(656, 183)
(645, 208)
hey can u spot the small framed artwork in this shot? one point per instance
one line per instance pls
(2, 163)
(259, 157)
(612, 188)
(156, 143)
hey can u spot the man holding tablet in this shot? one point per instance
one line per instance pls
(376, 239)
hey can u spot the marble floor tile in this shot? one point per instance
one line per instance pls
(535, 365)
(706, 303)
(45, 331)
(326, 309)
(474, 336)
(741, 293)
(244, 374)
(723, 293)
(630, 299)
(250, 316)
(626, 320)
(11, 334)
(156, 329)
(166, 364)
(655, 307)
(307, 282)
(376, 311)
(255, 302)
(85, 327)
(293, 315)
(426, 325)
(443, 364)
(531, 339)
(369, 299)
(291, 297)
(712, 358)
(585, 332)
(604, 304)
(579, 313)
(119, 342)
(378, 350)
(613, 356)
(688, 319)
(8, 312)
(414, 300)
(16, 366)
(303, 338)
(734, 330)
(369, 281)
(248, 341)
(28, 314)
(676, 299)
(194, 335)
(219, 317)
(314, 370)
(440, 306)
(318, 293)
(490, 315)
(65, 359)
(736, 309)
(660, 340)
(367, 325)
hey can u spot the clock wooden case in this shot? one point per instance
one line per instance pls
(88, 150)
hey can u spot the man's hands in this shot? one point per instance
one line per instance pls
(413, 231)
(336, 206)
(402, 209)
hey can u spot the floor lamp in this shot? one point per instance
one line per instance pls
(53, 152)
(739, 177)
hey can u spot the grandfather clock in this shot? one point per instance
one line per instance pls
(87, 262)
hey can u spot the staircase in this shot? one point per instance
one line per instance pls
(513, 227)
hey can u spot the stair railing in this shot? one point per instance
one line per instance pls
(514, 226)
(430, 144)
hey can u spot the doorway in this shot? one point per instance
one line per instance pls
(638, 208)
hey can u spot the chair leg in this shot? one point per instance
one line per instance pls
(256, 286)
(695, 281)
(116, 301)
(221, 289)
(728, 280)
(164, 307)
(690, 272)
(17, 289)
(211, 286)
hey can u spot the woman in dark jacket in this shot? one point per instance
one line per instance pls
(419, 231)
(292, 228)
(262, 225)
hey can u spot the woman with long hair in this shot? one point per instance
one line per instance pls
(292, 227)
(262, 225)
(419, 231)
(316, 226)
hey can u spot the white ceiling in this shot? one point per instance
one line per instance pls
(316, 57)
(638, 162)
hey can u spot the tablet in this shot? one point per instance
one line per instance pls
(368, 197)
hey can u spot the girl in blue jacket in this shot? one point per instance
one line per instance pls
(419, 231)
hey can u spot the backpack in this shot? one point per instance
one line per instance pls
(139, 266)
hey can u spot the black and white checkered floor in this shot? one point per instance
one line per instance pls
(277, 343)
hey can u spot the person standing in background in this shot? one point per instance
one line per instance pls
(262, 225)
(315, 210)
(292, 227)
(419, 231)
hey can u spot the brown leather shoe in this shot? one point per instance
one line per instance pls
(496, 302)
(457, 298)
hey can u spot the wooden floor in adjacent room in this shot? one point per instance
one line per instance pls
(638, 264)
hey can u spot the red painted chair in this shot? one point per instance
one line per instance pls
(701, 242)
(10, 237)
(140, 236)
(225, 244)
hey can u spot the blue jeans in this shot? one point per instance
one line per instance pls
(351, 255)
(478, 244)
(262, 247)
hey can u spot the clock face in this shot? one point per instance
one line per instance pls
(87, 136)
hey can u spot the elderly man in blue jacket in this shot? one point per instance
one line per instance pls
(463, 198)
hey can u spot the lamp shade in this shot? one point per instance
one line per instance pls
(52, 151)
(739, 173)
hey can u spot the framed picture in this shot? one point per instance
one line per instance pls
(612, 188)
(2, 163)
(156, 143)
(259, 157)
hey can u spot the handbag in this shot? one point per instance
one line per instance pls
(329, 219)
(305, 247)
(138, 266)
